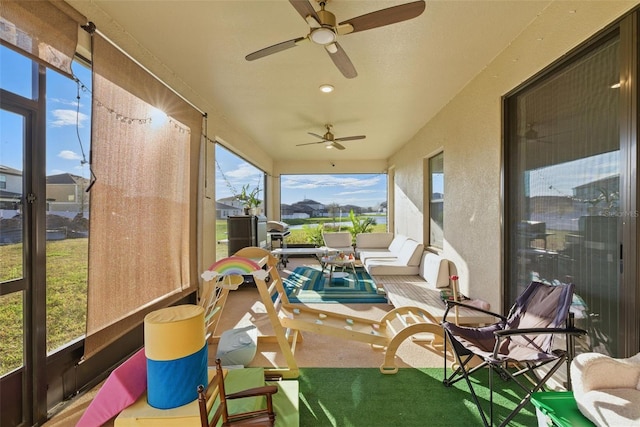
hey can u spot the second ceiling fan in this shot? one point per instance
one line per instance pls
(324, 30)
(330, 140)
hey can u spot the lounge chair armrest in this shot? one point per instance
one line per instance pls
(256, 391)
(450, 304)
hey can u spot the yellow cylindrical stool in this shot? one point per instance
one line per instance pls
(176, 351)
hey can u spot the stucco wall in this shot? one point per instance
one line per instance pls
(468, 130)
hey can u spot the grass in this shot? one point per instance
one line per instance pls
(66, 301)
(297, 236)
(363, 397)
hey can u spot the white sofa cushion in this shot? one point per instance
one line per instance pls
(435, 270)
(410, 253)
(607, 390)
(390, 267)
(369, 245)
(340, 241)
(400, 251)
(397, 242)
(375, 253)
(406, 263)
(367, 241)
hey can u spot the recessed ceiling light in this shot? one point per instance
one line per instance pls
(326, 88)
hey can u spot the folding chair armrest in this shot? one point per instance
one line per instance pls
(450, 304)
(256, 391)
(539, 331)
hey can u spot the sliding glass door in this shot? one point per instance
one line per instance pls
(44, 174)
(14, 271)
(564, 168)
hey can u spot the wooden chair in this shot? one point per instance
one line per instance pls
(207, 396)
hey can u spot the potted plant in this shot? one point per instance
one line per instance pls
(250, 199)
(363, 225)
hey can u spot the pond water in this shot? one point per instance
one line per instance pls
(342, 224)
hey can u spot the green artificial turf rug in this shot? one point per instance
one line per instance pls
(311, 285)
(414, 397)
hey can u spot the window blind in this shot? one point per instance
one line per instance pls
(145, 145)
(46, 31)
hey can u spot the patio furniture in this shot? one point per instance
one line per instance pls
(606, 389)
(215, 388)
(516, 346)
(340, 241)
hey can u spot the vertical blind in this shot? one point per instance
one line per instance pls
(145, 145)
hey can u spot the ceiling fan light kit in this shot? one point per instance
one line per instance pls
(323, 36)
(324, 31)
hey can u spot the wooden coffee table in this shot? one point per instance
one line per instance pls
(335, 261)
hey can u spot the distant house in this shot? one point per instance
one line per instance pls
(309, 207)
(285, 210)
(67, 193)
(10, 179)
(228, 206)
(600, 194)
(224, 210)
(10, 187)
(354, 208)
(231, 201)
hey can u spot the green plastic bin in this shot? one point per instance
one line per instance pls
(558, 409)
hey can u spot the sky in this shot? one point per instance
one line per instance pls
(68, 127)
(560, 179)
(68, 147)
(364, 190)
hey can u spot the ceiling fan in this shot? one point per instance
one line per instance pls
(324, 30)
(330, 140)
(531, 134)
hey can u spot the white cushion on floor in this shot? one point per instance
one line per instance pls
(237, 346)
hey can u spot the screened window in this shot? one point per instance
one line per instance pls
(68, 143)
(239, 192)
(436, 200)
(14, 64)
(311, 204)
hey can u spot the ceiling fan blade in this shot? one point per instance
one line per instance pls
(317, 136)
(310, 143)
(305, 9)
(350, 138)
(386, 16)
(342, 61)
(338, 146)
(274, 49)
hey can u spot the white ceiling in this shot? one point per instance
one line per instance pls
(406, 71)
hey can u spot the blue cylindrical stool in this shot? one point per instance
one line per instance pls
(176, 351)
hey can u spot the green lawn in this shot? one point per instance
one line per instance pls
(66, 298)
(308, 234)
